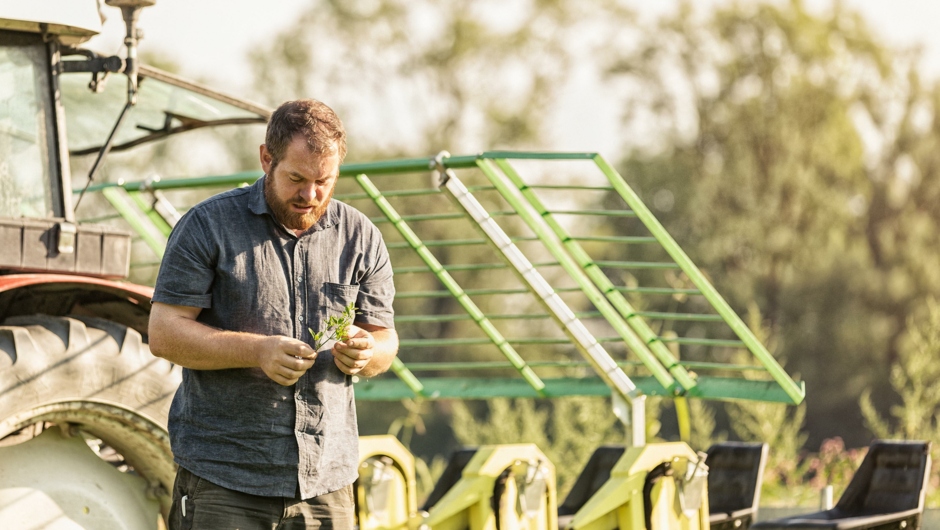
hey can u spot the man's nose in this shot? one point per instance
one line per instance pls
(308, 192)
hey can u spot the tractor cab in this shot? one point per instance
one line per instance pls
(59, 101)
(83, 403)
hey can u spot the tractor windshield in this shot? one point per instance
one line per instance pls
(26, 125)
(166, 105)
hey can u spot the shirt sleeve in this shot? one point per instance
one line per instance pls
(377, 288)
(189, 262)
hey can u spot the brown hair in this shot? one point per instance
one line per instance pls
(312, 119)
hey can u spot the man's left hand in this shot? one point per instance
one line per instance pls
(355, 353)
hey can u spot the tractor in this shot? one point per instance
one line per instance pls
(83, 403)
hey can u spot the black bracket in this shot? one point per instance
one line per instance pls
(95, 65)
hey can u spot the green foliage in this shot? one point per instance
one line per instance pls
(703, 423)
(795, 159)
(414, 77)
(833, 465)
(337, 327)
(567, 430)
(914, 378)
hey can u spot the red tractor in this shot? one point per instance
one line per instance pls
(83, 403)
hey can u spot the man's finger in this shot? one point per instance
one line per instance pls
(343, 357)
(349, 367)
(360, 343)
(298, 349)
(299, 364)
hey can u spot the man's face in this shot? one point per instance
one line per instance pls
(299, 187)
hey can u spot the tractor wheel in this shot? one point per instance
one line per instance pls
(98, 385)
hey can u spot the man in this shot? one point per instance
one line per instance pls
(263, 427)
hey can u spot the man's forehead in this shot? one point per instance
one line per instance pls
(322, 148)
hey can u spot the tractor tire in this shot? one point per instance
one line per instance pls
(93, 376)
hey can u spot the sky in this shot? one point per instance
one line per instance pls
(211, 38)
(210, 41)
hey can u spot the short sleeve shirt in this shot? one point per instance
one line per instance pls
(237, 428)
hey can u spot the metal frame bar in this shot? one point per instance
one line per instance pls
(448, 281)
(795, 391)
(637, 345)
(602, 362)
(664, 369)
(589, 267)
(717, 388)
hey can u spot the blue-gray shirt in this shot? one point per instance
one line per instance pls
(230, 257)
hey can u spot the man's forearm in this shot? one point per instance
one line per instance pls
(194, 345)
(384, 352)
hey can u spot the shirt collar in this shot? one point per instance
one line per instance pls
(256, 202)
(259, 206)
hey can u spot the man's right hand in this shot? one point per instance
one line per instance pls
(284, 360)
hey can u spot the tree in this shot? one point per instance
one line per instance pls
(914, 379)
(417, 77)
(795, 160)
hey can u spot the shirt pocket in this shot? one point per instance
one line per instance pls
(336, 296)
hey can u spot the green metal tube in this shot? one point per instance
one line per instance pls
(792, 389)
(705, 342)
(152, 214)
(398, 193)
(403, 373)
(616, 239)
(457, 318)
(596, 297)
(570, 187)
(597, 278)
(474, 388)
(633, 264)
(457, 267)
(471, 365)
(455, 289)
(685, 317)
(529, 155)
(135, 221)
(236, 179)
(598, 213)
(658, 290)
(470, 292)
(683, 418)
(515, 341)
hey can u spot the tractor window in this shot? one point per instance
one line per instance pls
(25, 127)
(166, 105)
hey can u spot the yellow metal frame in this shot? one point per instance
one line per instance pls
(401, 505)
(469, 504)
(619, 503)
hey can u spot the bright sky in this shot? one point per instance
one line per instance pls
(210, 40)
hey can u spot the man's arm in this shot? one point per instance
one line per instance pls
(369, 350)
(178, 337)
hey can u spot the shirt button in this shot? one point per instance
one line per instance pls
(301, 318)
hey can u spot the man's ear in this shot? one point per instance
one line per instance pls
(266, 158)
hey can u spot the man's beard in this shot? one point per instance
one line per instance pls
(287, 217)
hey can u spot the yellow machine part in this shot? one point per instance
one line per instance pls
(386, 496)
(675, 503)
(504, 487)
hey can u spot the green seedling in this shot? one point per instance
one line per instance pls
(337, 327)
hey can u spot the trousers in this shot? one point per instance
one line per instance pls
(201, 505)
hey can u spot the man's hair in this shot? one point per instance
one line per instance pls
(313, 120)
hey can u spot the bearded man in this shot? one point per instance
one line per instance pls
(263, 427)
